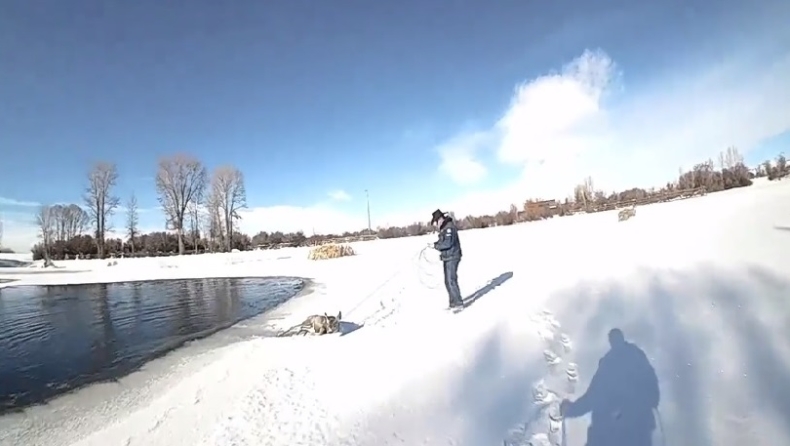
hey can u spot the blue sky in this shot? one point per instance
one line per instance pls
(467, 106)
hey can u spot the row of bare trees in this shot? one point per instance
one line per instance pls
(152, 244)
(67, 222)
(62, 222)
(203, 210)
(186, 195)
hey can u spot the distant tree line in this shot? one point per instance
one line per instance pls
(202, 211)
(201, 214)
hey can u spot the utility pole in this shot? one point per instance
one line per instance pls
(367, 198)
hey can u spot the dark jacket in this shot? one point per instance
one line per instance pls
(448, 245)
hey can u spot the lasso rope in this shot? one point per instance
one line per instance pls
(428, 269)
(423, 265)
(661, 426)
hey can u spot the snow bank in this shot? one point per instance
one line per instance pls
(697, 284)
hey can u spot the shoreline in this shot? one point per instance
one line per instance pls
(72, 416)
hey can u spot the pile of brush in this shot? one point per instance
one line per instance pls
(331, 251)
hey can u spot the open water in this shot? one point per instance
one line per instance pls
(54, 339)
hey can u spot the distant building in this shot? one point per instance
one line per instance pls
(539, 209)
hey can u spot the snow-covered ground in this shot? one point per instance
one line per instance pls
(699, 285)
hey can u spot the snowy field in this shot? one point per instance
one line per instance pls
(699, 285)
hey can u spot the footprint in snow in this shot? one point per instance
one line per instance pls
(562, 374)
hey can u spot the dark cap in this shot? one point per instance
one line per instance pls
(437, 214)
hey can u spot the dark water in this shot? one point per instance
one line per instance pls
(57, 338)
(8, 263)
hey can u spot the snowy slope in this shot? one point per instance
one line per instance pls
(698, 285)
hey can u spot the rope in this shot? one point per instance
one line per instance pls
(411, 261)
(425, 266)
(661, 426)
(428, 270)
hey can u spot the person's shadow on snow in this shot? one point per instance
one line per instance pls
(621, 397)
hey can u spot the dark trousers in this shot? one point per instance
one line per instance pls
(451, 281)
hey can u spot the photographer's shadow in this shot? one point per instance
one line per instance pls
(621, 397)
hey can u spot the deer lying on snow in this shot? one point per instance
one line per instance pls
(319, 324)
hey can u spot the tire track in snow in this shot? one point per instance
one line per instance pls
(545, 426)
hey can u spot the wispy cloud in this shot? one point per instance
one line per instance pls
(119, 210)
(20, 203)
(125, 210)
(319, 218)
(339, 195)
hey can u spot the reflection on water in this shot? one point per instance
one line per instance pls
(57, 338)
(9, 263)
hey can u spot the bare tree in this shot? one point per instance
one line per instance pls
(77, 221)
(229, 196)
(781, 166)
(132, 220)
(59, 222)
(69, 220)
(584, 193)
(215, 225)
(730, 158)
(100, 201)
(46, 222)
(193, 215)
(180, 181)
(208, 226)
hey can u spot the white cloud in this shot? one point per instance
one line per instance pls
(458, 158)
(123, 210)
(12, 202)
(339, 195)
(555, 116)
(320, 218)
(580, 121)
(19, 231)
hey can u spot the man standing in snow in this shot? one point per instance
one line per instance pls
(449, 247)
